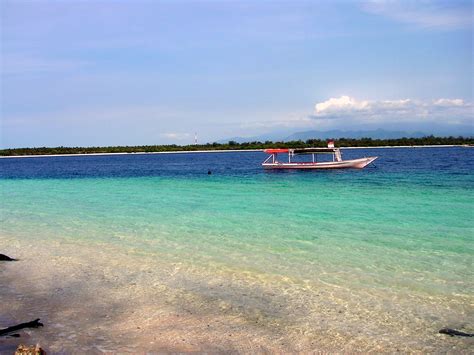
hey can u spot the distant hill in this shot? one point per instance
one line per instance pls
(375, 134)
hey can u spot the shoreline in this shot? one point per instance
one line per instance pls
(221, 151)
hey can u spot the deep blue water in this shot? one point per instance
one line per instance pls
(456, 161)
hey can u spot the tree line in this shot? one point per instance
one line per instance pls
(232, 145)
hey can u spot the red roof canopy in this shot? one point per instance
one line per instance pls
(276, 150)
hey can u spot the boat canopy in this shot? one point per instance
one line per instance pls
(302, 150)
(314, 150)
(276, 150)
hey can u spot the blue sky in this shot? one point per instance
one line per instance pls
(154, 72)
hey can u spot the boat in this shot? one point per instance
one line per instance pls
(335, 163)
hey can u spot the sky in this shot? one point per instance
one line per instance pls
(95, 73)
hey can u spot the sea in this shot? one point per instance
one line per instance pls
(376, 259)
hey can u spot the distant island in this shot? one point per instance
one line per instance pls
(232, 145)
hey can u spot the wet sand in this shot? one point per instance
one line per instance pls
(101, 298)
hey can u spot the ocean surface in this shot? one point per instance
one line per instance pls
(388, 249)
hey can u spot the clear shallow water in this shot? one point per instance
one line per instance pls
(403, 228)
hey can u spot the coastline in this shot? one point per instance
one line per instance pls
(221, 151)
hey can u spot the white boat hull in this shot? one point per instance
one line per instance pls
(344, 164)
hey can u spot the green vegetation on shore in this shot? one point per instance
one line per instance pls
(342, 142)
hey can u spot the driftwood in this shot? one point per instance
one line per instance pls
(454, 332)
(33, 324)
(4, 257)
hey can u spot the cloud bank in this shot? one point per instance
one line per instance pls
(350, 110)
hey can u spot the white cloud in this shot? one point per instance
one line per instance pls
(344, 103)
(438, 14)
(449, 102)
(351, 110)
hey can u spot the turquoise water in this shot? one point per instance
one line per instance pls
(295, 224)
(399, 228)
